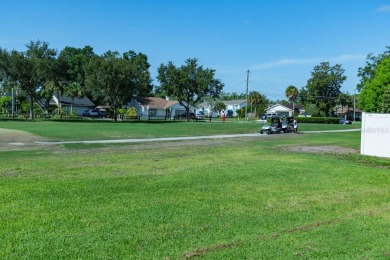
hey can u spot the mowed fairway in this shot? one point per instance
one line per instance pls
(279, 197)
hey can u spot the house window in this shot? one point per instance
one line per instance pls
(152, 112)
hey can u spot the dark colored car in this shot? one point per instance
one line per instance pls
(345, 121)
(191, 115)
(102, 112)
(86, 112)
(92, 113)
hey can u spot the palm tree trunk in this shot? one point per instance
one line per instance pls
(293, 108)
(71, 106)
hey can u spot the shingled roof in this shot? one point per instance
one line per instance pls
(155, 102)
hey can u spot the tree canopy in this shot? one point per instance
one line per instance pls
(323, 87)
(115, 79)
(375, 83)
(29, 70)
(189, 83)
(292, 94)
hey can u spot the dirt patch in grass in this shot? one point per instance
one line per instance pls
(219, 247)
(331, 149)
(13, 140)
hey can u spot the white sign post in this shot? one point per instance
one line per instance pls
(375, 137)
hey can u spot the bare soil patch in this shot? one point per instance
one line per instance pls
(331, 149)
(13, 140)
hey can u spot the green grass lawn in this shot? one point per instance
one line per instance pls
(241, 198)
(96, 130)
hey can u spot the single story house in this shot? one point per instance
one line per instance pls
(207, 109)
(231, 107)
(79, 105)
(280, 110)
(348, 113)
(298, 108)
(157, 107)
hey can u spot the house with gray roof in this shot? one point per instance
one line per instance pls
(77, 104)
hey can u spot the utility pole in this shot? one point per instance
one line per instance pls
(246, 107)
(13, 103)
(354, 106)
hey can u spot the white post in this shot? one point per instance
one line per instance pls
(13, 103)
(354, 106)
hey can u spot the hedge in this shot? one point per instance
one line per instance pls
(318, 120)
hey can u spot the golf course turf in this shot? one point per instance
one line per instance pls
(283, 196)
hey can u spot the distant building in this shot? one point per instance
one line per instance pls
(157, 107)
(348, 113)
(279, 110)
(79, 104)
(231, 107)
(298, 108)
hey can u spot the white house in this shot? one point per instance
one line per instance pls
(157, 107)
(279, 110)
(231, 107)
(207, 109)
(78, 104)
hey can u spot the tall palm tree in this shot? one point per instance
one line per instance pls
(255, 99)
(74, 90)
(292, 94)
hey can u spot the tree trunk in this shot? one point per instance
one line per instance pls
(59, 105)
(31, 108)
(293, 108)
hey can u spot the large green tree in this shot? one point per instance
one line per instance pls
(189, 83)
(70, 71)
(375, 83)
(232, 96)
(323, 87)
(115, 79)
(3, 64)
(29, 70)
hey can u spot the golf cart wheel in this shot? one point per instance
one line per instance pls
(268, 131)
(261, 132)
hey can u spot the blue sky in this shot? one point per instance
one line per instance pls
(280, 42)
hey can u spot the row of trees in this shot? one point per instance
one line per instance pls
(39, 72)
(323, 88)
(110, 78)
(113, 78)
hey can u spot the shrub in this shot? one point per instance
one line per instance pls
(132, 111)
(318, 120)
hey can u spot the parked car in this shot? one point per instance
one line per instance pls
(86, 112)
(199, 115)
(345, 121)
(92, 113)
(102, 112)
(191, 115)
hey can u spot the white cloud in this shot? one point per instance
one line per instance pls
(315, 61)
(384, 8)
(282, 62)
(347, 58)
